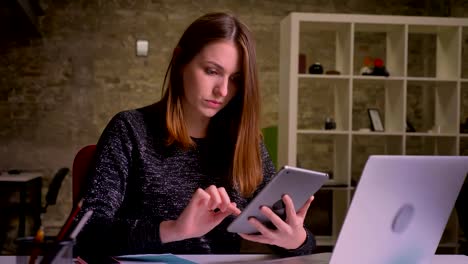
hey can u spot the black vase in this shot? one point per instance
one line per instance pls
(316, 68)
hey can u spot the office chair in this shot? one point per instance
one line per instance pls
(54, 187)
(83, 162)
(52, 192)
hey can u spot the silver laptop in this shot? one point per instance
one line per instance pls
(398, 213)
(400, 209)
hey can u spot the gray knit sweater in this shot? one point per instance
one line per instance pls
(138, 182)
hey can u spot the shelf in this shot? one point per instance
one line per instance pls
(322, 132)
(336, 185)
(430, 79)
(422, 134)
(427, 89)
(325, 240)
(431, 145)
(449, 245)
(374, 133)
(323, 76)
(378, 78)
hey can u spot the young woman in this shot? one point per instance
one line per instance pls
(171, 176)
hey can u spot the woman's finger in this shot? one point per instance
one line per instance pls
(233, 209)
(225, 201)
(274, 218)
(260, 227)
(215, 199)
(303, 210)
(289, 208)
(200, 197)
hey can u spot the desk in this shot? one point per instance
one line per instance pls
(310, 259)
(322, 258)
(24, 182)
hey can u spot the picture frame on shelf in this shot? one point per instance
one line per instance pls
(375, 120)
(410, 127)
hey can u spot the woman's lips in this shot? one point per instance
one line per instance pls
(213, 103)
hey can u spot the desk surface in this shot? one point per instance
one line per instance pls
(252, 258)
(21, 177)
(322, 258)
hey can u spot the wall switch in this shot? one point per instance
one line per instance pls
(142, 47)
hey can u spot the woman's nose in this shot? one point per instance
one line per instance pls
(222, 87)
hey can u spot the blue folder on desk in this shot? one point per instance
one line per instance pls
(158, 258)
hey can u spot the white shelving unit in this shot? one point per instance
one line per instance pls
(424, 58)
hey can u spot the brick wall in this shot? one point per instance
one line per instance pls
(57, 93)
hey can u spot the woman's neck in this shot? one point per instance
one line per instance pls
(197, 126)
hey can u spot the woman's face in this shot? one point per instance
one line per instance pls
(211, 80)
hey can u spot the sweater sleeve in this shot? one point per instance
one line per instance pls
(105, 196)
(268, 172)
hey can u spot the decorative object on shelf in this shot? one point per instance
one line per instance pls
(379, 68)
(464, 126)
(367, 68)
(375, 67)
(375, 120)
(302, 63)
(409, 127)
(332, 72)
(435, 129)
(330, 123)
(316, 68)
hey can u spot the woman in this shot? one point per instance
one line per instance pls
(171, 176)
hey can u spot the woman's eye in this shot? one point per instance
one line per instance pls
(235, 78)
(211, 72)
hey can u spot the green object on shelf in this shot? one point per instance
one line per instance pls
(270, 138)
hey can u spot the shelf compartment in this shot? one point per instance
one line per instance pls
(463, 147)
(451, 232)
(319, 219)
(365, 145)
(380, 41)
(326, 215)
(314, 152)
(386, 95)
(432, 107)
(319, 99)
(463, 119)
(333, 40)
(428, 145)
(433, 51)
(464, 56)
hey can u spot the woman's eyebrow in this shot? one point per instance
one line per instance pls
(221, 68)
(216, 65)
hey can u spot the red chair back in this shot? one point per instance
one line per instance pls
(83, 162)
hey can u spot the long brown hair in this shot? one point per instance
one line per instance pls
(238, 122)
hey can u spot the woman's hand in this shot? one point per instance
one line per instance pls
(200, 216)
(290, 234)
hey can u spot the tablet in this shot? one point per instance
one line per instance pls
(298, 183)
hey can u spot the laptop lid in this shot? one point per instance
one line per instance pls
(400, 209)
